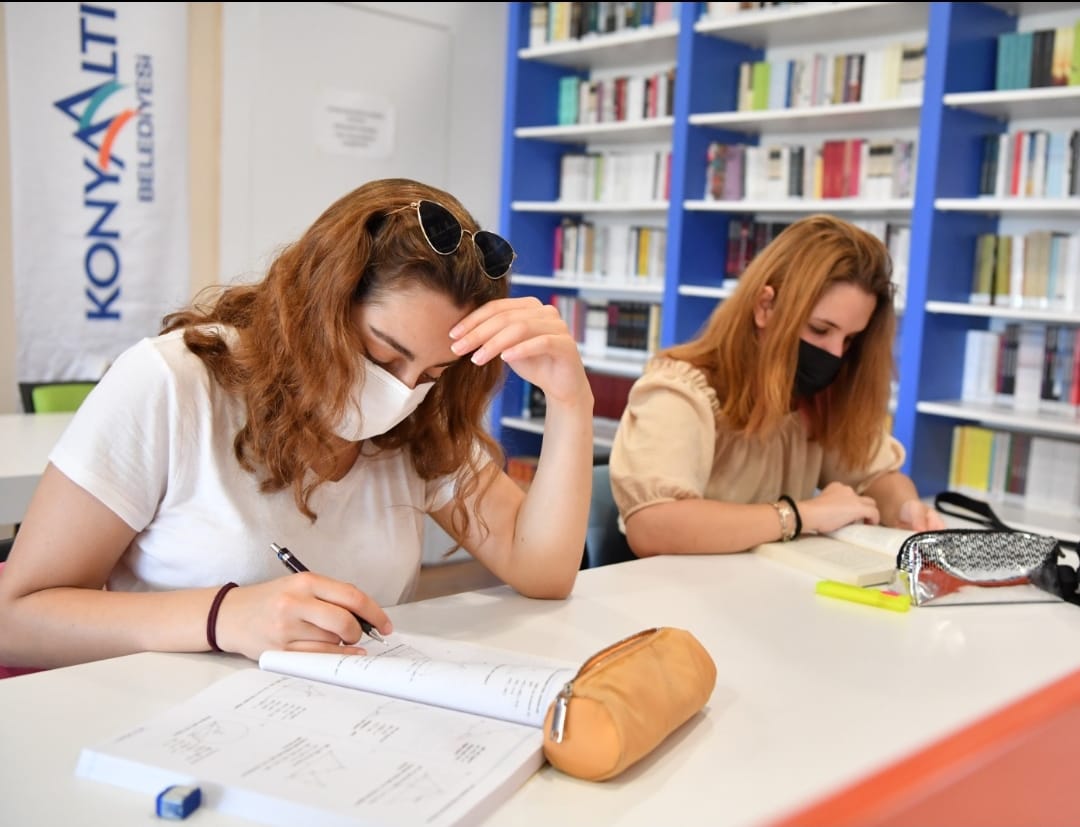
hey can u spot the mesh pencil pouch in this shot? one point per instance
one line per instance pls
(625, 700)
(968, 565)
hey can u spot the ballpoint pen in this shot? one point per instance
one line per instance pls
(293, 564)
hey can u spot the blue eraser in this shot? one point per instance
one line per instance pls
(178, 801)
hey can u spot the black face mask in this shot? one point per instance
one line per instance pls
(816, 370)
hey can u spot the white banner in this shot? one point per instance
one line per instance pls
(99, 121)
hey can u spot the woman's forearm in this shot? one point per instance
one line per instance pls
(700, 526)
(64, 626)
(549, 536)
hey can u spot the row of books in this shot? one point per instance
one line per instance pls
(611, 253)
(613, 99)
(533, 402)
(897, 239)
(835, 168)
(558, 22)
(1039, 270)
(892, 72)
(721, 9)
(748, 237)
(1031, 163)
(610, 395)
(617, 329)
(615, 176)
(1035, 472)
(1044, 57)
(1028, 367)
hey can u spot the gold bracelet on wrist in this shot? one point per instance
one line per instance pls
(787, 520)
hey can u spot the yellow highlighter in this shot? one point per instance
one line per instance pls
(860, 594)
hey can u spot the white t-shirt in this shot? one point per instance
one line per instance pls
(154, 443)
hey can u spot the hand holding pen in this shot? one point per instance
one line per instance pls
(292, 562)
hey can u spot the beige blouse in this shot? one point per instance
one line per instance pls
(670, 445)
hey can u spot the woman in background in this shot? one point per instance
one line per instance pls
(774, 420)
(325, 409)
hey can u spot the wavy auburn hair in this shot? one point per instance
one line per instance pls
(753, 371)
(299, 356)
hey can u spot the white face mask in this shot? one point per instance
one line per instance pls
(381, 403)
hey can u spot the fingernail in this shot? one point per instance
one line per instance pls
(479, 357)
(457, 347)
(455, 331)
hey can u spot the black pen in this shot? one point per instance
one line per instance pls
(292, 562)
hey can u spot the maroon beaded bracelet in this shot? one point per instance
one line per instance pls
(211, 619)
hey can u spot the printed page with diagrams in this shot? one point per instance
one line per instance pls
(279, 748)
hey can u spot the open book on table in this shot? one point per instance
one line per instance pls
(439, 733)
(862, 555)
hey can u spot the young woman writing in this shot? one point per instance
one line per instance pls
(325, 409)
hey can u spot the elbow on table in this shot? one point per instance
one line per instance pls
(646, 548)
(647, 537)
(556, 588)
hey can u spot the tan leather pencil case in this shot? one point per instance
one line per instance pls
(625, 700)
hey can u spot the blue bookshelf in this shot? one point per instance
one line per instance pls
(961, 106)
(959, 55)
(957, 109)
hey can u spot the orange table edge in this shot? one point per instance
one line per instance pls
(1016, 766)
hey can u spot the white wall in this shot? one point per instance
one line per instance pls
(472, 141)
(268, 109)
(427, 68)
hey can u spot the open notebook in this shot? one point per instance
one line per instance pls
(862, 555)
(421, 731)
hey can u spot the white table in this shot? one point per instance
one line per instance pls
(805, 687)
(25, 442)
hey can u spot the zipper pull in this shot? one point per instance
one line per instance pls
(558, 718)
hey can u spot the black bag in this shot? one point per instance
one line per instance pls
(942, 563)
(977, 511)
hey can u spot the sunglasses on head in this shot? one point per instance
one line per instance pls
(444, 233)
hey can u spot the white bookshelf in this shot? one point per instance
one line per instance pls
(651, 44)
(532, 425)
(1001, 416)
(590, 206)
(1020, 314)
(597, 286)
(892, 206)
(614, 366)
(1010, 104)
(1019, 206)
(847, 117)
(799, 23)
(648, 130)
(603, 428)
(704, 291)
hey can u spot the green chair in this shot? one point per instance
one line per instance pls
(59, 397)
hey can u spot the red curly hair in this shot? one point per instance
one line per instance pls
(298, 360)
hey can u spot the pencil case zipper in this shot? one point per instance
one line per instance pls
(562, 700)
